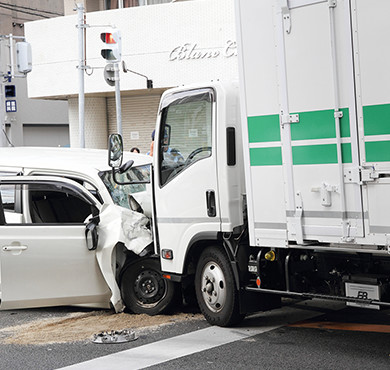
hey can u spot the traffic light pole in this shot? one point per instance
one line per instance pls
(24, 63)
(118, 99)
(3, 141)
(81, 67)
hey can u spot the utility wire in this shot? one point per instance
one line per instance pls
(28, 8)
(7, 138)
(23, 11)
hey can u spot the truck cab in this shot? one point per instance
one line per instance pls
(198, 162)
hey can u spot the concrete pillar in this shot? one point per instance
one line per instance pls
(96, 134)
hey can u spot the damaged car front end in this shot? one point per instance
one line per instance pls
(71, 235)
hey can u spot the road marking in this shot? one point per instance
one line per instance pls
(343, 326)
(204, 339)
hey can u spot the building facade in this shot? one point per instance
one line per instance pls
(174, 43)
(29, 122)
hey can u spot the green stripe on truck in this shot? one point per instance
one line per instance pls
(266, 156)
(264, 128)
(376, 119)
(378, 151)
(320, 154)
(319, 125)
(305, 154)
(312, 125)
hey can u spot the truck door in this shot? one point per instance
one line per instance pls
(185, 184)
(44, 256)
(372, 60)
(318, 119)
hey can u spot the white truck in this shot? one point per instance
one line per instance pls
(280, 185)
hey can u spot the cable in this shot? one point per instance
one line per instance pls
(6, 136)
(86, 70)
(25, 12)
(28, 8)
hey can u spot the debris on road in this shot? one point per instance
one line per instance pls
(81, 326)
(115, 336)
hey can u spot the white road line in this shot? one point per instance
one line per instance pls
(197, 341)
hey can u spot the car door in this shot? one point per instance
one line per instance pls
(44, 258)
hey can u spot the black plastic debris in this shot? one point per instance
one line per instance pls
(115, 336)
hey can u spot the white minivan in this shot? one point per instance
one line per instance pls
(71, 235)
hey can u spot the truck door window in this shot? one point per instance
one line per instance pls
(185, 136)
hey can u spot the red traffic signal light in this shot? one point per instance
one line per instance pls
(107, 37)
(113, 50)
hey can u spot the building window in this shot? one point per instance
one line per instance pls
(113, 4)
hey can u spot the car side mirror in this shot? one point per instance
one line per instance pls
(92, 229)
(115, 150)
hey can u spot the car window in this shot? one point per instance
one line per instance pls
(8, 197)
(56, 204)
(120, 193)
(8, 193)
(87, 185)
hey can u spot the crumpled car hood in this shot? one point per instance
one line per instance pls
(118, 224)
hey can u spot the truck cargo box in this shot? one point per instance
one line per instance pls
(315, 96)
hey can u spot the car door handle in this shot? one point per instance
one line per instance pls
(10, 248)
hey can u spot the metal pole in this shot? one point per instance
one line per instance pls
(120, 4)
(3, 138)
(81, 27)
(337, 115)
(11, 53)
(3, 141)
(118, 99)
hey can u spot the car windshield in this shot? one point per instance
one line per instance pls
(120, 193)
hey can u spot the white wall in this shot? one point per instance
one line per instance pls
(150, 34)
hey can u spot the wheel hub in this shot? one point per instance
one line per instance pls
(149, 287)
(213, 287)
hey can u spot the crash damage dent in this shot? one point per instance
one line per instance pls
(118, 224)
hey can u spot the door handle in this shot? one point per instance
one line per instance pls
(10, 248)
(210, 200)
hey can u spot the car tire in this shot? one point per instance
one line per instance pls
(144, 290)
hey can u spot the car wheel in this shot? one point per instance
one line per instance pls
(144, 290)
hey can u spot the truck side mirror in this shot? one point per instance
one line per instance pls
(115, 150)
(126, 166)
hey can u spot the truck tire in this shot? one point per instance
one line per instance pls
(144, 290)
(215, 287)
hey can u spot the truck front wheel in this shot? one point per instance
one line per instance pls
(144, 290)
(215, 288)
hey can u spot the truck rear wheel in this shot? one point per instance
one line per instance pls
(144, 290)
(215, 288)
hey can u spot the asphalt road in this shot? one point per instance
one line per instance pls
(300, 335)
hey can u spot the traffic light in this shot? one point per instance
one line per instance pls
(23, 57)
(112, 51)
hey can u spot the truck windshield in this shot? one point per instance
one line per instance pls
(120, 193)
